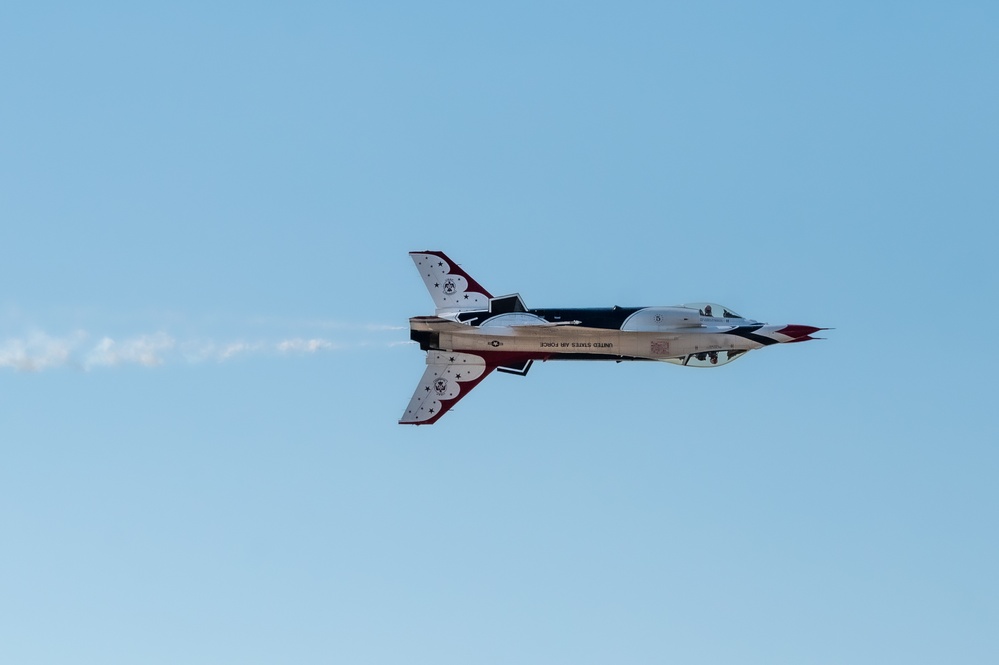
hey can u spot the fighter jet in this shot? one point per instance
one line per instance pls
(473, 333)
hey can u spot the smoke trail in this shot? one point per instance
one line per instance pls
(39, 351)
(304, 345)
(147, 350)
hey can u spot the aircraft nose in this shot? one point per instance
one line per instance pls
(797, 333)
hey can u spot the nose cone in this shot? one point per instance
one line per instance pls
(796, 333)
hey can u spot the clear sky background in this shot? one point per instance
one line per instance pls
(205, 214)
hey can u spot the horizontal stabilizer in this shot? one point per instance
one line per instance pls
(518, 368)
(507, 304)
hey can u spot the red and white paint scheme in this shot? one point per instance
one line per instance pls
(473, 333)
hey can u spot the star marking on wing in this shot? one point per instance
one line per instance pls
(466, 296)
(437, 285)
(427, 388)
(451, 359)
(458, 375)
(440, 264)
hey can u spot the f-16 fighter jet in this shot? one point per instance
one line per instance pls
(474, 333)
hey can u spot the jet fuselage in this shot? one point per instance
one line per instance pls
(613, 333)
(474, 333)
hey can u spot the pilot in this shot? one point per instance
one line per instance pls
(713, 357)
(707, 310)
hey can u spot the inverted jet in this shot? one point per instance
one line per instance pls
(473, 333)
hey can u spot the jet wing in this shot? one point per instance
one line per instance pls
(449, 377)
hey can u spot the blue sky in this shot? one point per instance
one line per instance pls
(206, 210)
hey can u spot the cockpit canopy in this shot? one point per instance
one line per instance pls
(714, 310)
(706, 358)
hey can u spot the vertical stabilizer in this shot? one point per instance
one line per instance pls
(449, 377)
(452, 289)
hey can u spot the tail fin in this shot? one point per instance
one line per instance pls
(449, 377)
(452, 289)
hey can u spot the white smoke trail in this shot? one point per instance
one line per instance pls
(144, 350)
(38, 351)
(304, 345)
